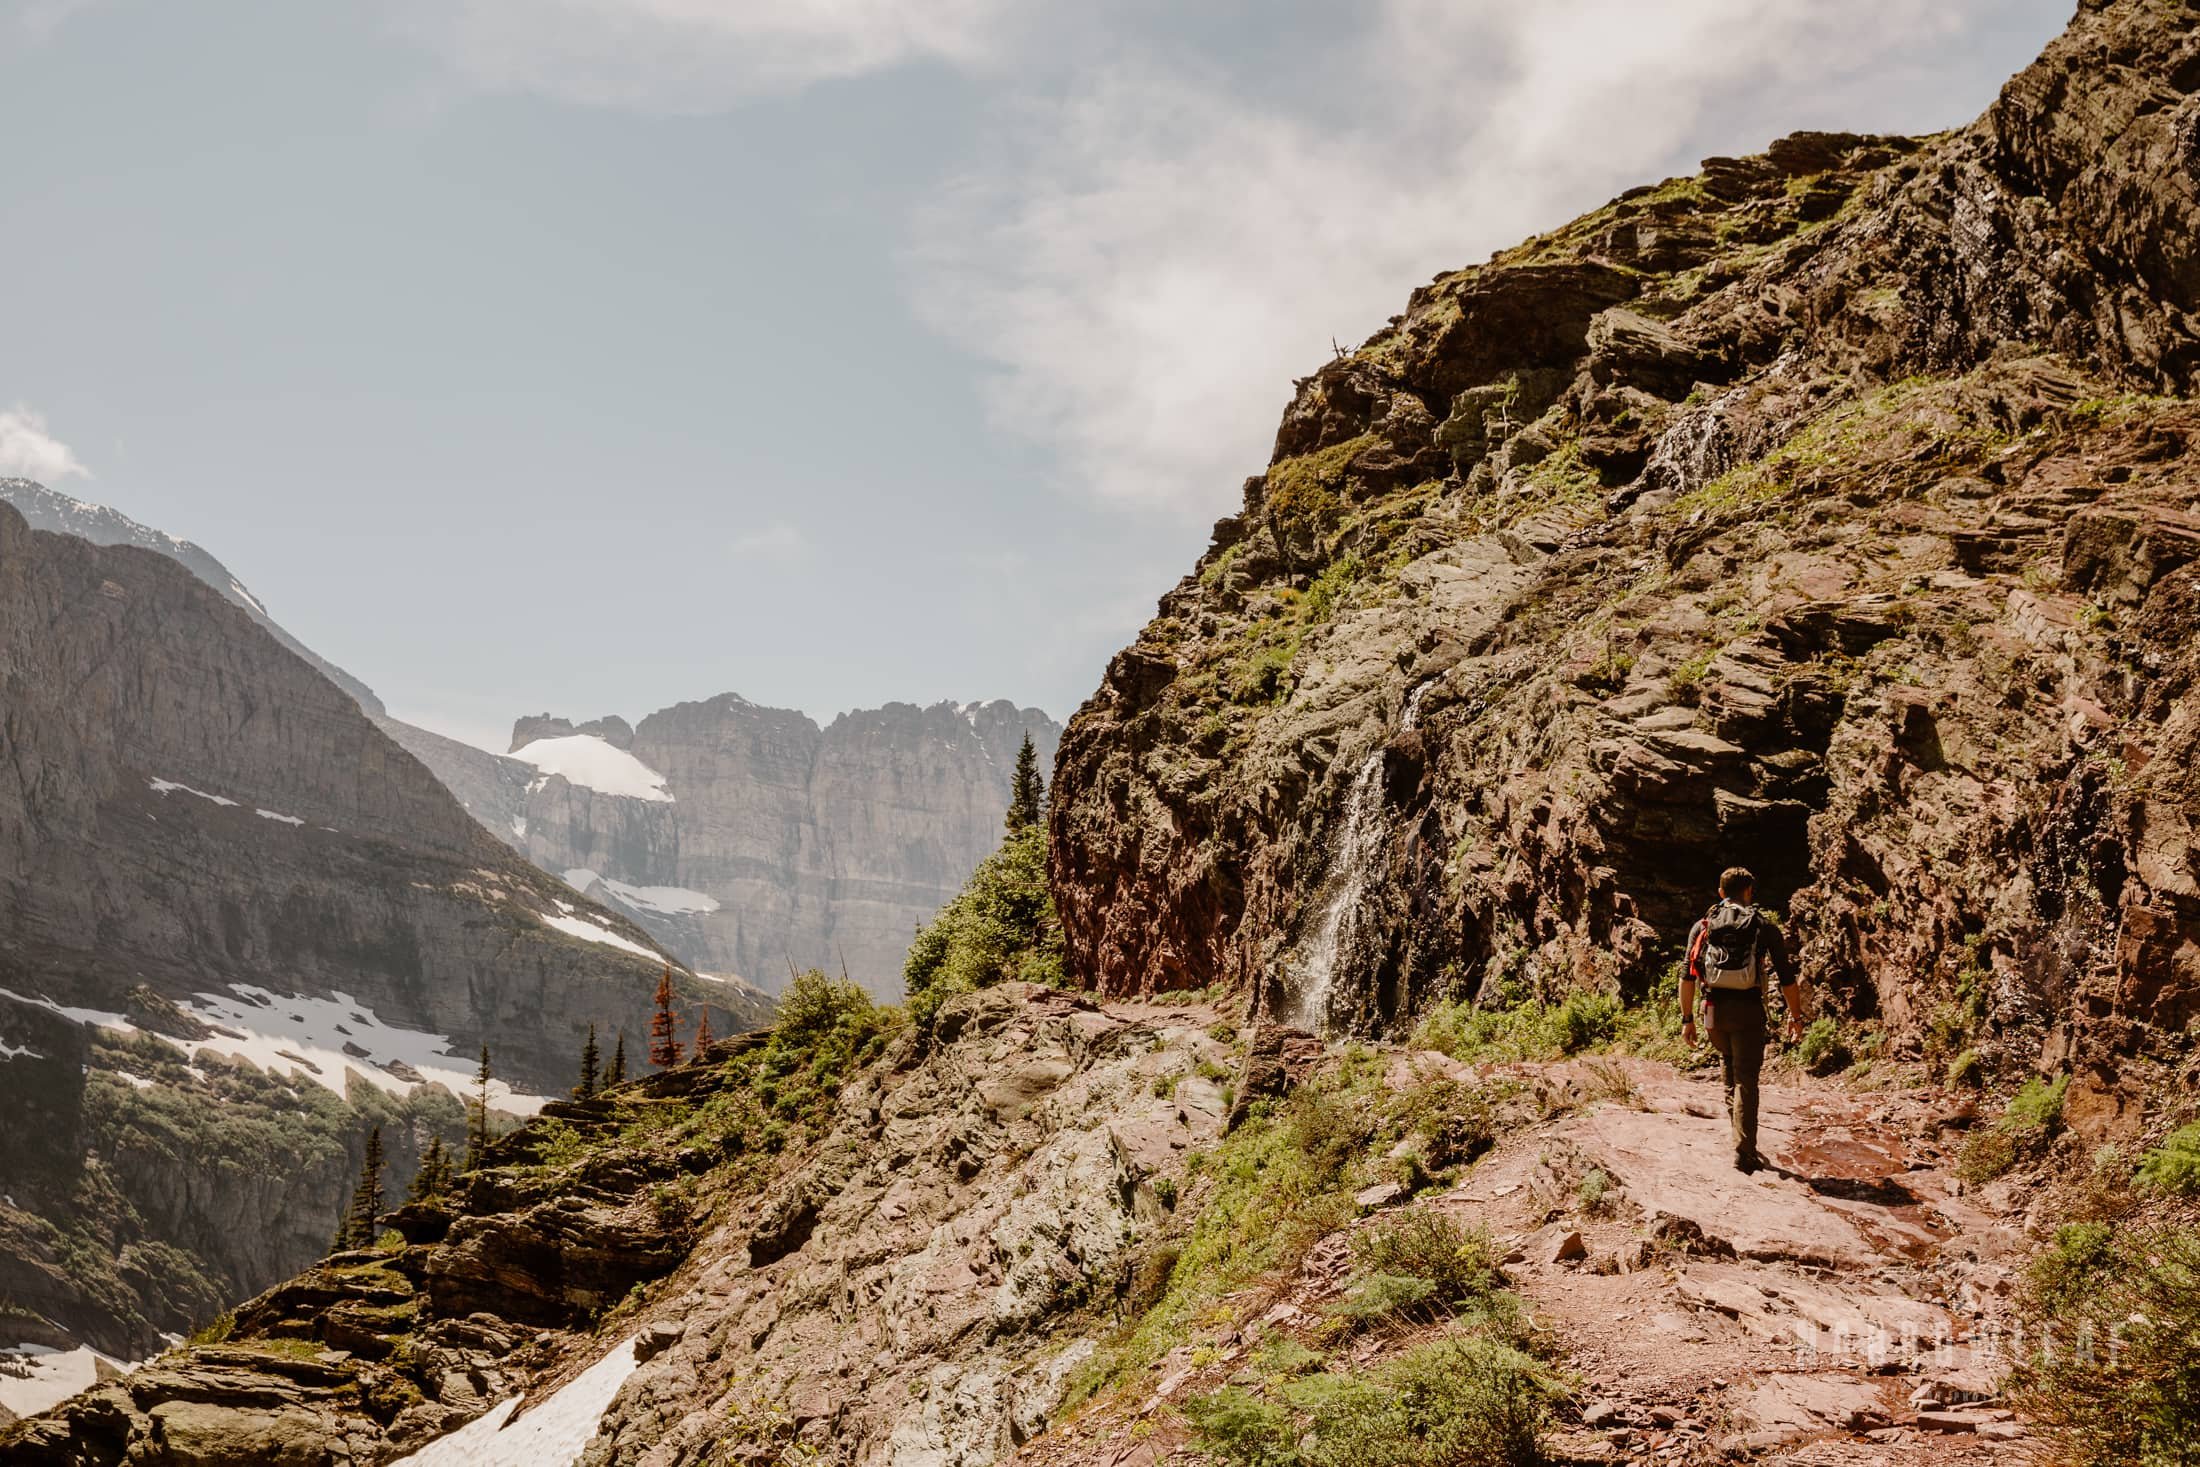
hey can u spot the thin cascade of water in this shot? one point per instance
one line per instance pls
(1346, 880)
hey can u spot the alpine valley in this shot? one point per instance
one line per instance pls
(242, 925)
(1306, 1087)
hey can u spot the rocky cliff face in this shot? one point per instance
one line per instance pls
(206, 848)
(771, 841)
(1829, 512)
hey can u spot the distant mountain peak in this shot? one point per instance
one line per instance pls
(64, 514)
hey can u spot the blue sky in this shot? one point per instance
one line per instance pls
(590, 355)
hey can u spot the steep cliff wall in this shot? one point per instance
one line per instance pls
(1812, 513)
(771, 841)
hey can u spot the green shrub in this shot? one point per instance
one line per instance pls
(1375, 1300)
(1235, 1426)
(2113, 1322)
(215, 1330)
(2174, 1166)
(1000, 926)
(1460, 1266)
(2033, 1119)
(1966, 1071)
(2038, 1105)
(1586, 1019)
(1467, 1032)
(1461, 1402)
(1593, 1193)
(1822, 1050)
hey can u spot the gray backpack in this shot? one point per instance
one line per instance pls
(1730, 957)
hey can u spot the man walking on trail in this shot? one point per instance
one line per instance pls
(1734, 952)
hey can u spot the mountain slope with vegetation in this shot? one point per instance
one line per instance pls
(1829, 512)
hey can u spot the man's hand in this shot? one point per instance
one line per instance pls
(1795, 1029)
(1688, 1031)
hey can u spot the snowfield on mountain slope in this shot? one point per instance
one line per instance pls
(551, 1434)
(587, 760)
(325, 1040)
(34, 1377)
(572, 924)
(669, 901)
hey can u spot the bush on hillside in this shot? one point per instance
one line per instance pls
(1822, 1050)
(1237, 1427)
(2174, 1166)
(1461, 1401)
(2112, 1319)
(1000, 926)
(2032, 1121)
(1465, 1031)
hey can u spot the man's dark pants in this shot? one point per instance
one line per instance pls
(1738, 1034)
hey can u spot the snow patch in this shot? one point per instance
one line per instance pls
(670, 901)
(553, 1434)
(169, 786)
(136, 1082)
(245, 596)
(9, 1051)
(35, 1378)
(278, 815)
(573, 924)
(519, 826)
(300, 1034)
(307, 1036)
(665, 901)
(98, 1018)
(589, 761)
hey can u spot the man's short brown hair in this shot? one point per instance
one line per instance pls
(1736, 882)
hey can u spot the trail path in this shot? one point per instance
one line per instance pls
(1843, 1306)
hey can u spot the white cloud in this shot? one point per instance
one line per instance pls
(28, 451)
(772, 540)
(1155, 240)
(1148, 262)
(35, 20)
(699, 55)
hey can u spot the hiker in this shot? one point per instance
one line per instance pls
(1734, 952)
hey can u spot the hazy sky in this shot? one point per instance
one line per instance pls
(590, 355)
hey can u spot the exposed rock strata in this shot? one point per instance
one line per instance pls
(1813, 513)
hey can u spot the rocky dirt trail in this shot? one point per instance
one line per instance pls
(1845, 1305)
(1841, 1306)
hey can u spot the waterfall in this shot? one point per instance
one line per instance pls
(1345, 881)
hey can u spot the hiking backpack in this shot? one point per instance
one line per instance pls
(1730, 946)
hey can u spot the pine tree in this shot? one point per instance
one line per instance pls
(589, 1059)
(357, 1228)
(477, 1116)
(434, 1174)
(617, 1073)
(664, 1029)
(703, 1036)
(1027, 796)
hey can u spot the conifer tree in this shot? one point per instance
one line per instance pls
(477, 1116)
(357, 1228)
(589, 1061)
(1027, 795)
(617, 1073)
(434, 1174)
(703, 1036)
(664, 1029)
